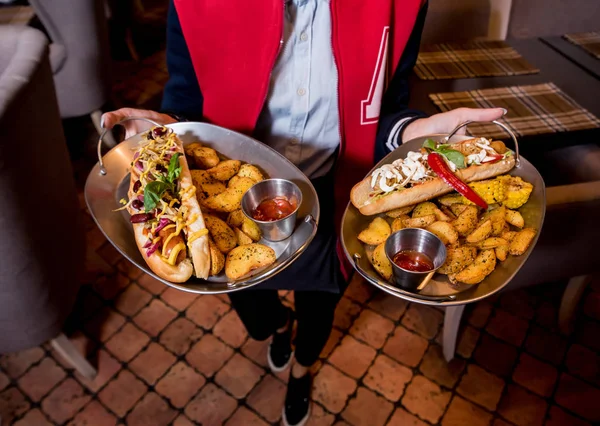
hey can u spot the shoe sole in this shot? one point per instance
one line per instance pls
(301, 423)
(272, 366)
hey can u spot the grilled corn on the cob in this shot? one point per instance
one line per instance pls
(512, 191)
(492, 191)
(517, 191)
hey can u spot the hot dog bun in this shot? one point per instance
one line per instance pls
(360, 195)
(199, 248)
(179, 273)
(191, 235)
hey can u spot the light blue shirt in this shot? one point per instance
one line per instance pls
(300, 118)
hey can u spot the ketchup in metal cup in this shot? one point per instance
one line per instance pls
(412, 260)
(274, 209)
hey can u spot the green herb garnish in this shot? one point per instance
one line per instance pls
(430, 144)
(153, 194)
(174, 168)
(454, 156)
(154, 191)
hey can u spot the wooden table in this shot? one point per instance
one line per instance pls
(548, 152)
(575, 54)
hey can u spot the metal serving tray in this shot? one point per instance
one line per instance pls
(108, 182)
(439, 291)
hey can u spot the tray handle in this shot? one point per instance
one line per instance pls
(506, 129)
(101, 139)
(396, 290)
(309, 222)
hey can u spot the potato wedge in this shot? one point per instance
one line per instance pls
(381, 263)
(447, 212)
(419, 222)
(514, 218)
(424, 209)
(521, 241)
(206, 185)
(498, 221)
(501, 252)
(508, 235)
(444, 231)
(217, 259)
(242, 260)
(241, 237)
(189, 149)
(203, 156)
(400, 212)
(225, 170)
(483, 230)
(466, 221)
(457, 209)
(440, 215)
(250, 171)
(221, 233)
(398, 223)
(490, 243)
(484, 264)
(230, 199)
(458, 259)
(238, 219)
(448, 200)
(376, 233)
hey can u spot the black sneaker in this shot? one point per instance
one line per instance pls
(280, 351)
(296, 410)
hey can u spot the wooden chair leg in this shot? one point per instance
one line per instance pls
(450, 332)
(569, 302)
(65, 348)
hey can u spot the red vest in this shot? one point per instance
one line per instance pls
(234, 44)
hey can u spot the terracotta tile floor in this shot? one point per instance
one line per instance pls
(166, 357)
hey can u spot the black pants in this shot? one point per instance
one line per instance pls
(262, 313)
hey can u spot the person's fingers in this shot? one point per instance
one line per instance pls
(110, 119)
(479, 114)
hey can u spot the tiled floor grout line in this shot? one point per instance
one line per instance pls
(32, 404)
(378, 352)
(471, 358)
(561, 368)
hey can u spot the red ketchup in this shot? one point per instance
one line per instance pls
(274, 209)
(414, 261)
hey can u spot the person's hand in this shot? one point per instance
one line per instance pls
(445, 122)
(133, 127)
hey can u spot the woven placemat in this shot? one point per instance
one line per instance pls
(590, 42)
(468, 60)
(532, 110)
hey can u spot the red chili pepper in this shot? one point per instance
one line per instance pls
(439, 166)
(493, 158)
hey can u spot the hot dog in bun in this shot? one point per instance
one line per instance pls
(167, 221)
(435, 170)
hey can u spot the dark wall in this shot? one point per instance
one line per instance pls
(538, 18)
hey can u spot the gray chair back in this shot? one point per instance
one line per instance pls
(42, 246)
(79, 53)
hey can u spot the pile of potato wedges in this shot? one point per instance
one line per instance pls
(476, 240)
(220, 185)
